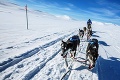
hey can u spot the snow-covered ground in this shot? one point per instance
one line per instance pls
(35, 54)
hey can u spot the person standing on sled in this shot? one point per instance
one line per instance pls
(89, 22)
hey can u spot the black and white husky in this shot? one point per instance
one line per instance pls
(72, 43)
(92, 52)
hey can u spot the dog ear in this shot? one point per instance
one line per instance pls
(62, 41)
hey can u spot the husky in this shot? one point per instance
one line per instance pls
(81, 33)
(85, 30)
(89, 34)
(92, 52)
(72, 43)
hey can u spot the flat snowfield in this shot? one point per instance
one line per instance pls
(35, 54)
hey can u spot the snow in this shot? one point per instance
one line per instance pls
(65, 17)
(35, 54)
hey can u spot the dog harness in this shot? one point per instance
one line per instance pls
(91, 42)
(74, 38)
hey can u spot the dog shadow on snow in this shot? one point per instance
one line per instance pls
(95, 35)
(81, 67)
(106, 69)
(103, 43)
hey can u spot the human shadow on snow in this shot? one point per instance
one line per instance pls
(108, 69)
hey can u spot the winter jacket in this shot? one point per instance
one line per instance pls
(89, 22)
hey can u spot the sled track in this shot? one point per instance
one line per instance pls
(30, 42)
(106, 52)
(10, 62)
(33, 72)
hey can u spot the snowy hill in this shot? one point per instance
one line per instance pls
(34, 54)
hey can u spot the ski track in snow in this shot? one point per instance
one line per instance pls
(33, 72)
(16, 60)
(28, 43)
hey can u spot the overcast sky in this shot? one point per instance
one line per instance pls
(96, 10)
